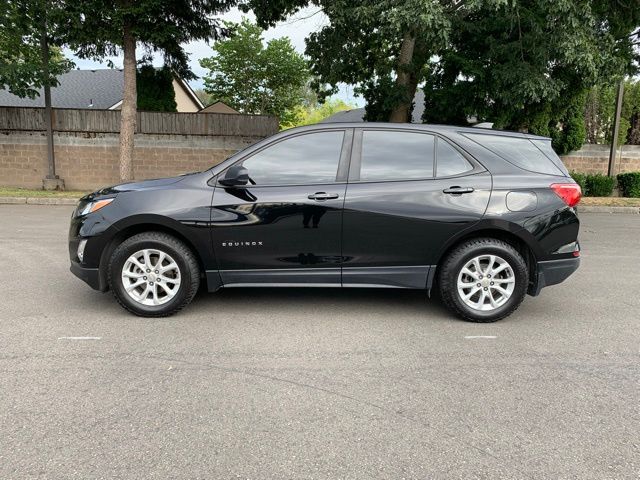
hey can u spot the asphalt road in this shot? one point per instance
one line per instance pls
(295, 383)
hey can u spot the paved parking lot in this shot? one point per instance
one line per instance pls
(297, 383)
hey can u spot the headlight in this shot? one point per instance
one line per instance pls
(95, 206)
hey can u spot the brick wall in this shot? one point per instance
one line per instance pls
(595, 159)
(87, 161)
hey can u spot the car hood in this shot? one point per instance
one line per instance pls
(134, 186)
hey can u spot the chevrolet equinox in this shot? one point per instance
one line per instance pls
(482, 216)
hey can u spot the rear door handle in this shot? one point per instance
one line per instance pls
(457, 190)
(320, 196)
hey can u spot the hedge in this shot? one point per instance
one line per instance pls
(599, 185)
(594, 184)
(629, 184)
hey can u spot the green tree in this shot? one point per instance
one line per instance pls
(309, 114)
(496, 59)
(29, 56)
(599, 111)
(254, 78)
(203, 96)
(378, 46)
(526, 65)
(95, 29)
(155, 89)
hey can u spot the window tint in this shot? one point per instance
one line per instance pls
(450, 161)
(547, 149)
(305, 159)
(388, 155)
(517, 150)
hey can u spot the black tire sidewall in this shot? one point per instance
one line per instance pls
(120, 256)
(507, 253)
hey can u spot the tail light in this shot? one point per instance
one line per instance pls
(570, 193)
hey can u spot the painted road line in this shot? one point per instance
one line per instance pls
(471, 337)
(79, 338)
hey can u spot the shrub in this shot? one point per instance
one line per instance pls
(581, 179)
(629, 184)
(599, 185)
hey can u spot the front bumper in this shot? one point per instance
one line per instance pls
(91, 276)
(552, 272)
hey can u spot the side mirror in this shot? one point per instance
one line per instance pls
(235, 176)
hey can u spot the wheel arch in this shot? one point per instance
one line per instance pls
(147, 223)
(508, 232)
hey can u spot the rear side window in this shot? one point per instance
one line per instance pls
(388, 155)
(518, 151)
(450, 161)
(547, 149)
(303, 159)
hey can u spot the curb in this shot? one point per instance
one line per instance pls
(38, 201)
(604, 209)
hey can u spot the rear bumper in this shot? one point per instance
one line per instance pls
(91, 276)
(553, 272)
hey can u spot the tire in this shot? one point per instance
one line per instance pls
(472, 290)
(153, 294)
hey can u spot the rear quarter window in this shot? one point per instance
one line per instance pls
(519, 151)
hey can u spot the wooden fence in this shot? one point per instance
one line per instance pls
(108, 121)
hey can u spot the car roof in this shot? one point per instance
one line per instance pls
(444, 129)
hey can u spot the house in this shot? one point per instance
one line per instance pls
(357, 114)
(97, 89)
(218, 107)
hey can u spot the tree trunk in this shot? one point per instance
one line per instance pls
(128, 108)
(400, 112)
(44, 56)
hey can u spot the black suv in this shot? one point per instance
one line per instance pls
(485, 216)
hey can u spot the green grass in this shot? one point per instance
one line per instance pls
(23, 192)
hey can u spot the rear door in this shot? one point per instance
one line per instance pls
(409, 191)
(285, 228)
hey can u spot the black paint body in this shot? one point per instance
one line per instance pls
(380, 234)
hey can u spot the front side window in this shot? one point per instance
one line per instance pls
(305, 159)
(396, 155)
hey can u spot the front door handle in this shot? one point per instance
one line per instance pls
(458, 190)
(321, 196)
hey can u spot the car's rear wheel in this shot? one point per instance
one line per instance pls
(483, 280)
(153, 274)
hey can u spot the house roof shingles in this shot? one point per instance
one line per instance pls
(77, 89)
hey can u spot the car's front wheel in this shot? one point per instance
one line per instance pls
(483, 280)
(153, 274)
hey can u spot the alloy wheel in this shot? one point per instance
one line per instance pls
(151, 277)
(486, 282)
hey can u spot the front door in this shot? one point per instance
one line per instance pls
(285, 226)
(409, 192)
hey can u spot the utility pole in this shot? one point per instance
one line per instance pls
(616, 129)
(51, 181)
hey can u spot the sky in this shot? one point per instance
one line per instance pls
(297, 28)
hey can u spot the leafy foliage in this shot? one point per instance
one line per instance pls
(203, 96)
(520, 64)
(94, 28)
(23, 23)
(599, 185)
(155, 90)
(629, 184)
(600, 111)
(316, 112)
(254, 78)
